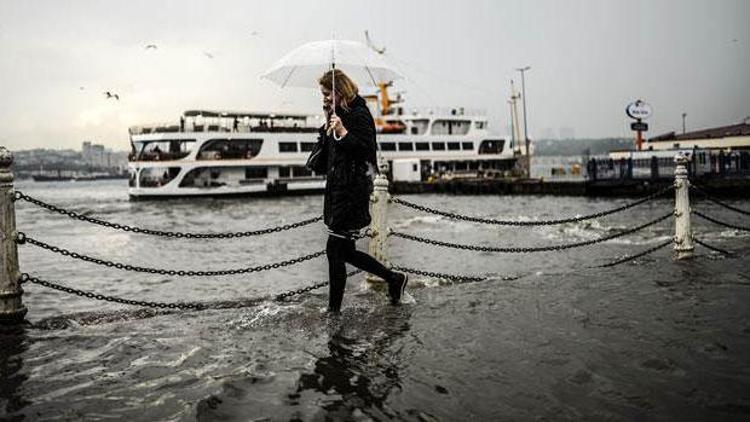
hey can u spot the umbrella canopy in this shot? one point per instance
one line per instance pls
(304, 65)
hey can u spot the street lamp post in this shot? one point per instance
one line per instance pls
(525, 124)
(683, 122)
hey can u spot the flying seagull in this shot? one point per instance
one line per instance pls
(207, 54)
(151, 46)
(111, 95)
(371, 45)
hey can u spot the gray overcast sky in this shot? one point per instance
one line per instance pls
(589, 58)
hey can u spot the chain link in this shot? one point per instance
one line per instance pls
(713, 248)
(716, 201)
(283, 296)
(721, 223)
(83, 293)
(530, 249)
(452, 277)
(638, 255)
(23, 238)
(179, 235)
(456, 216)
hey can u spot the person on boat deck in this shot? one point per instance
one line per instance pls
(157, 152)
(346, 152)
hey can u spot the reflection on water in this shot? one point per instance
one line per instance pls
(361, 369)
(13, 345)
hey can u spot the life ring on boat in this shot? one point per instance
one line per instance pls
(392, 128)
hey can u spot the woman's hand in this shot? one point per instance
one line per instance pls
(335, 125)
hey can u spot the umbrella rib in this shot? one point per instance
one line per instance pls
(289, 76)
(374, 82)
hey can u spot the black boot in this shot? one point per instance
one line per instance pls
(396, 287)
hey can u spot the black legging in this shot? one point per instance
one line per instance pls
(339, 252)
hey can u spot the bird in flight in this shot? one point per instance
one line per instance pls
(207, 54)
(371, 45)
(111, 95)
(151, 46)
(254, 33)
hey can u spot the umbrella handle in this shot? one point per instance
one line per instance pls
(333, 96)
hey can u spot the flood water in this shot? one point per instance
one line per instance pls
(653, 339)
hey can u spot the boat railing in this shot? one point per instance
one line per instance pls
(158, 156)
(161, 128)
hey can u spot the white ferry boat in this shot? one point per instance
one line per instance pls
(235, 153)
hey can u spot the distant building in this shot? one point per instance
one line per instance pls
(729, 138)
(97, 156)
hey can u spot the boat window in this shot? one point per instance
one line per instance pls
(306, 146)
(422, 146)
(479, 124)
(405, 146)
(284, 172)
(419, 126)
(387, 146)
(256, 172)
(438, 146)
(230, 149)
(454, 146)
(162, 150)
(155, 177)
(467, 146)
(287, 147)
(300, 171)
(451, 127)
(491, 146)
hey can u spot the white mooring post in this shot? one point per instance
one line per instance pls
(379, 226)
(11, 307)
(683, 232)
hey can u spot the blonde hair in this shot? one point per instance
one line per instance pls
(346, 89)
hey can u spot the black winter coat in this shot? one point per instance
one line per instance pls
(347, 163)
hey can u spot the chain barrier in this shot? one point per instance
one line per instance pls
(719, 222)
(22, 238)
(456, 216)
(452, 277)
(716, 201)
(162, 305)
(636, 256)
(195, 306)
(530, 249)
(713, 248)
(179, 235)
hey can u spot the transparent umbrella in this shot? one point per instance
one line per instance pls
(303, 66)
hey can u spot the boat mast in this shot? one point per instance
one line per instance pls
(514, 117)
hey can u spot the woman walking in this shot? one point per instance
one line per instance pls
(346, 153)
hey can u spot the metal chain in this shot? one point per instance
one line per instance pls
(25, 277)
(716, 201)
(22, 238)
(452, 277)
(163, 305)
(713, 248)
(283, 296)
(529, 223)
(179, 235)
(721, 223)
(530, 249)
(638, 255)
